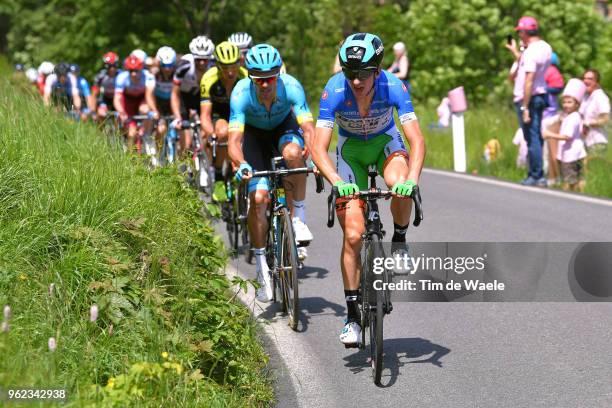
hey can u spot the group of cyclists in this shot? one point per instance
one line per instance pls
(241, 93)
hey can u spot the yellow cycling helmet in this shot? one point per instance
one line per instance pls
(227, 53)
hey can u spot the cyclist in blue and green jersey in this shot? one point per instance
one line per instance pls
(361, 100)
(269, 117)
(85, 92)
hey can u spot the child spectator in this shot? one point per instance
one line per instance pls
(521, 157)
(571, 150)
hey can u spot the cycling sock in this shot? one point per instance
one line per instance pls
(299, 210)
(399, 233)
(260, 259)
(351, 305)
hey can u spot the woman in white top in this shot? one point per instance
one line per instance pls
(401, 65)
(595, 110)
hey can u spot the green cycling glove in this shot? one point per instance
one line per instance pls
(346, 189)
(403, 189)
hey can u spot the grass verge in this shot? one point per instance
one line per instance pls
(81, 226)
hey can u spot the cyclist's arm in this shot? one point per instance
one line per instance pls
(47, 91)
(74, 90)
(175, 101)
(234, 147)
(416, 156)
(150, 98)
(309, 134)
(118, 97)
(206, 119)
(320, 145)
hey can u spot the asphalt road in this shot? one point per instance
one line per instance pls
(541, 354)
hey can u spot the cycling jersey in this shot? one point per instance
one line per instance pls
(83, 87)
(213, 92)
(105, 84)
(339, 104)
(57, 89)
(163, 86)
(246, 108)
(186, 76)
(124, 85)
(371, 140)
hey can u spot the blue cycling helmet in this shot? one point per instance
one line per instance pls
(554, 59)
(263, 60)
(75, 69)
(19, 67)
(361, 51)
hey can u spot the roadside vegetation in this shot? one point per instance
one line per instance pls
(109, 277)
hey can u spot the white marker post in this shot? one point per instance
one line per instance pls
(458, 104)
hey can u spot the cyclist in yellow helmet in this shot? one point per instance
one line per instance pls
(216, 87)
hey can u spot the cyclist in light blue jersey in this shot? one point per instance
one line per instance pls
(84, 91)
(269, 117)
(361, 100)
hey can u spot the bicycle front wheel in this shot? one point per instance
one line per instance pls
(289, 271)
(375, 310)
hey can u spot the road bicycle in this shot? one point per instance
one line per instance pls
(373, 304)
(199, 175)
(167, 153)
(281, 248)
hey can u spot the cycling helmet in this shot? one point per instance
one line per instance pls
(201, 47)
(75, 69)
(46, 68)
(361, 51)
(140, 54)
(32, 74)
(242, 40)
(263, 60)
(19, 67)
(166, 56)
(110, 58)
(133, 63)
(61, 69)
(227, 53)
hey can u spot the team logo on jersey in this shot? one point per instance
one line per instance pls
(325, 95)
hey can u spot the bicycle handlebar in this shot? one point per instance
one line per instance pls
(375, 194)
(289, 172)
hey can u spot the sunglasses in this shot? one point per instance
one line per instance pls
(267, 80)
(357, 74)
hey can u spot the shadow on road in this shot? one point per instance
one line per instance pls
(309, 307)
(398, 353)
(312, 272)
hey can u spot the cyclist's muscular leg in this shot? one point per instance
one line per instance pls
(221, 132)
(257, 220)
(352, 221)
(396, 170)
(295, 186)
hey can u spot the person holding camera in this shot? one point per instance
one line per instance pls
(530, 92)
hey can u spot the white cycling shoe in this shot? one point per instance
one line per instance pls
(264, 293)
(302, 253)
(302, 233)
(351, 334)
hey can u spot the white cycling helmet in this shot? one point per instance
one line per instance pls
(140, 54)
(32, 74)
(166, 56)
(201, 47)
(242, 40)
(46, 68)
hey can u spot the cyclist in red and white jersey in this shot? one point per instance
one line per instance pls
(103, 87)
(134, 94)
(44, 70)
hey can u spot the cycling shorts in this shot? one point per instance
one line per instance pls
(354, 156)
(261, 146)
(189, 101)
(163, 106)
(132, 107)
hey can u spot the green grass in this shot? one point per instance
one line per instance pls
(104, 230)
(483, 123)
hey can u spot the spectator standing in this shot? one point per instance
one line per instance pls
(401, 66)
(571, 150)
(530, 94)
(595, 110)
(554, 86)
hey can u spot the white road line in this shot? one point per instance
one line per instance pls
(537, 190)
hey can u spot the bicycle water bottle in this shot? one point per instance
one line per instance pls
(281, 196)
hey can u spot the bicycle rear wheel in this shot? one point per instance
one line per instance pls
(289, 271)
(375, 310)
